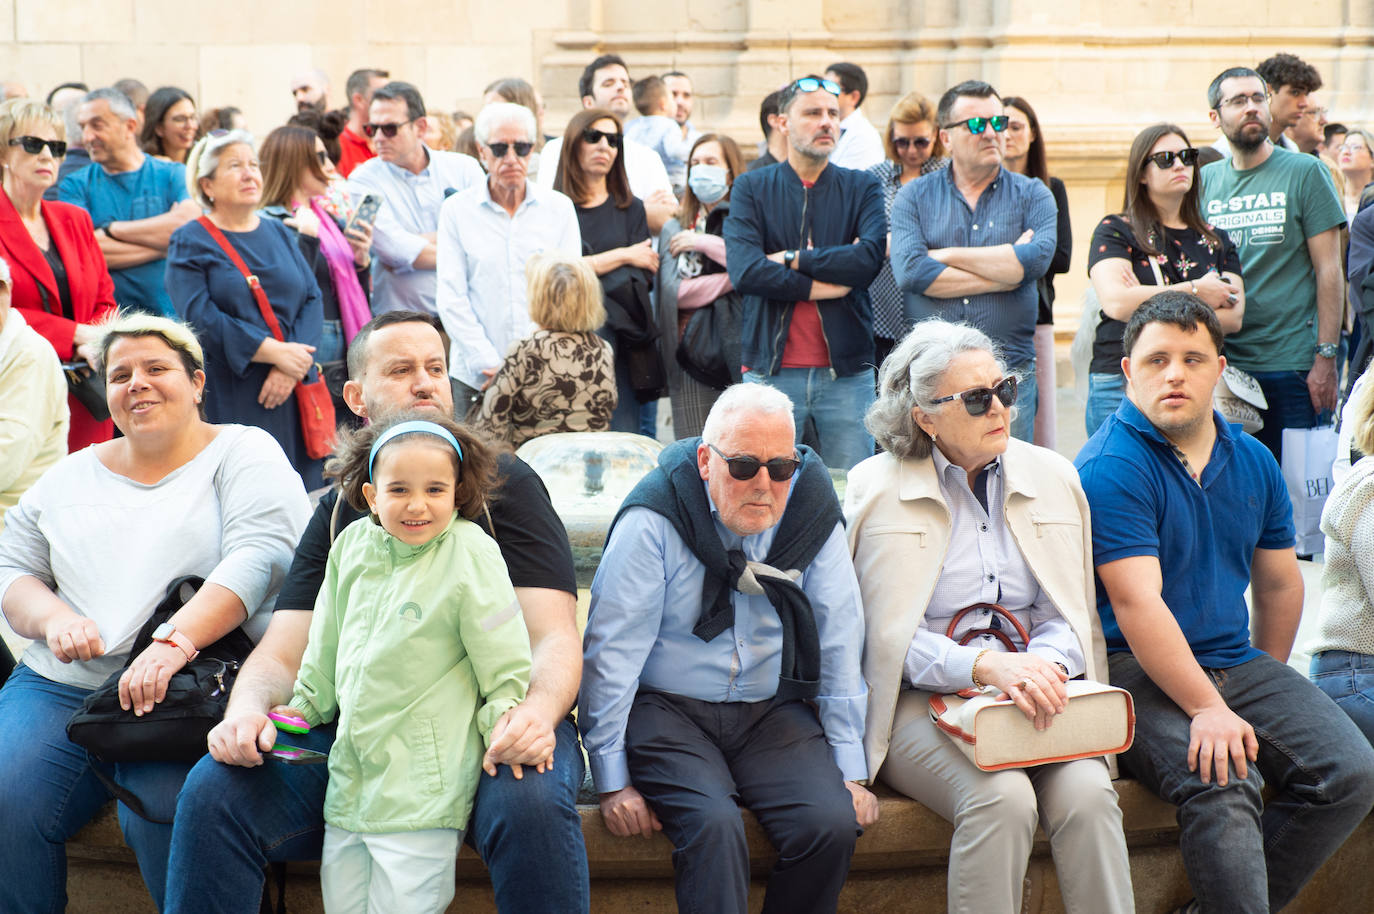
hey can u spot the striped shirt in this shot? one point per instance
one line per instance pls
(930, 213)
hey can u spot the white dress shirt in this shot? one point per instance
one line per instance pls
(642, 166)
(859, 145)
(410, 210)
(482, 254)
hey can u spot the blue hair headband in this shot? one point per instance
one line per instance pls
(409, 427)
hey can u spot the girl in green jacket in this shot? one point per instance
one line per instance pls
(418, 647)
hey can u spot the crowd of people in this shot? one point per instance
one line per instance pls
(872, 299)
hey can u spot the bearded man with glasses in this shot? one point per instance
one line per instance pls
(1283, 213)
(970, 242)
(413, 182)
(721, 664)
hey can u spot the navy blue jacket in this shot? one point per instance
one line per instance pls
(842, 217)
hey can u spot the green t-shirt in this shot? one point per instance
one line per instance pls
(1270, 211)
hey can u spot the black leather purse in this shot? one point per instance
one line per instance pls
(176, 728)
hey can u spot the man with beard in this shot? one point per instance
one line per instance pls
(803, 240)
(1282, 211)
(1196, 512)
(309, 90)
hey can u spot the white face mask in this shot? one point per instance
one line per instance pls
(709, 182)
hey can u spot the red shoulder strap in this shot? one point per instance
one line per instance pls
(258, 294)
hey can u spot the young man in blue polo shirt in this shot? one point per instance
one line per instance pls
(1188, 511)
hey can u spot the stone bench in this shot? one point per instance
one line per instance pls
(899, 865)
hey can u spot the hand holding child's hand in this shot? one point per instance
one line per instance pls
(521, 737)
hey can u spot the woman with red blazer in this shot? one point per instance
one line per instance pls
(59, 278)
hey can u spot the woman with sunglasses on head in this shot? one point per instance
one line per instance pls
(964, 585)
(59, 280)
(913, 149)
(1159, 240)
(616, 242)
(692, 279)
(170, 125)
(251, 374)
(296, 178)
(1025, 155)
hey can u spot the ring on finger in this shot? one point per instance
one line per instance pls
(1023, 684)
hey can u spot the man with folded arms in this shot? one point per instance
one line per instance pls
(1188, 511)
(722, 664)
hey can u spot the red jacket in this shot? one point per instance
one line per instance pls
(92, 290)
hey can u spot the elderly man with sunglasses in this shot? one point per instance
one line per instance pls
(970, 242)
(413, 182)
(486, 234)
(721, 664)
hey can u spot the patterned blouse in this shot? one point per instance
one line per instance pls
(550, 382)
(889, 319)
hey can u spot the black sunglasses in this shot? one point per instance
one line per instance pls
(34, 145)
(976, 125)
(592, 137)
(978, 399)
(902, 142)
(1165, 159)
(521, 149)
(386, 130)
(780, 469)
(322, 157)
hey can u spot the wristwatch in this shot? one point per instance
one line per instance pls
(167, 633)
(1327, 350)
(788, 257)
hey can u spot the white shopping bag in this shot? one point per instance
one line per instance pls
(1307, 457)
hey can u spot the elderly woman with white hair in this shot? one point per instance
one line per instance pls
(956, 515)
(486, 234)
(251, 376)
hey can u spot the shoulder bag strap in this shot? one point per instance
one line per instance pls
(258, 294)
(334, 519)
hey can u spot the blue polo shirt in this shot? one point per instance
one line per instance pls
(1144, 503)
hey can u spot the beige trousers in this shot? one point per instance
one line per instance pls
(994, 814)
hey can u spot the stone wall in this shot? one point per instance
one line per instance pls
(1096, 70)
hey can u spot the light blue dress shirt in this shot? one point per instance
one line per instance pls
(646, 597)
(410, 210)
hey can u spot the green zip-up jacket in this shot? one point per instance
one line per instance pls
(418, 650)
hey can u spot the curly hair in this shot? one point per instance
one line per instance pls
(1289, 70)
(475, 471)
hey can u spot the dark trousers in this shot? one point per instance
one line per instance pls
(697, 762)
(6, 662)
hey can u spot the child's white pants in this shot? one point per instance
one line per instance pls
(394, 873)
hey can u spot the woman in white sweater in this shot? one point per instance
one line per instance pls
(1343, 661)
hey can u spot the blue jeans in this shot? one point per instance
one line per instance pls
(1027, 401)
(49, 792)
(1105, 392)
(1290, 406)
(1242, 854)
(836, 405)
(1348, 679)
(232, 821)
(331, 348)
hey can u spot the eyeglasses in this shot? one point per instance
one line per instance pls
(811, 84)
(592, 137)
(34, 145)
(1166, 158)
(1315, 113)
(1357, 146)
(978, 399)
(780, 469)
(386, 130)
(521, 149)
(1237, 102)
(322, 157)
(900, 143)
(976, 125)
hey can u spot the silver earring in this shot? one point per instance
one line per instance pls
(197, 399)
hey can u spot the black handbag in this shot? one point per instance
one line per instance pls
(709, 350)
(176, 729)
(83, 383)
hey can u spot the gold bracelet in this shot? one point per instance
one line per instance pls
(973, 674)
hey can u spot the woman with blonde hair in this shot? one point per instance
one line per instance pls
(912, 141)
(562, 378)
(59, 280)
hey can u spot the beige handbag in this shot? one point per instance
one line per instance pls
(1099, 719)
